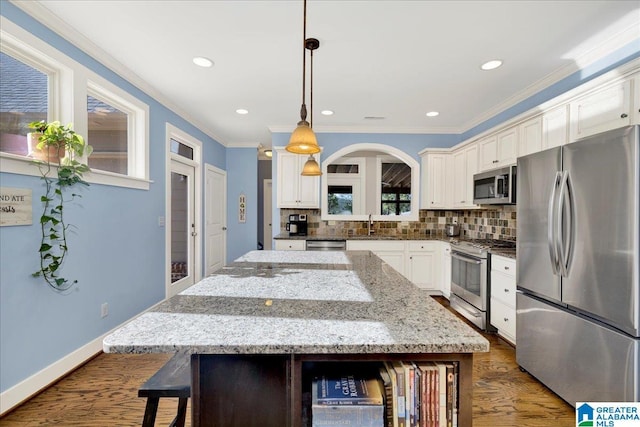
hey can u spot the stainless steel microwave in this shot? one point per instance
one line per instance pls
(495, 187)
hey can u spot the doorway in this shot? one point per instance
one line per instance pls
(216, 218)
(183, 211)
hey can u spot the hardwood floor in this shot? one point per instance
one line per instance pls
(104, 391)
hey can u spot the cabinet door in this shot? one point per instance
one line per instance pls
(288, 176)
(555, 127)
(446, 270)
(459, 191)
(436, 173)
(471, 159)
(606, 109)
(507, 144)
(420, 269)
(503, 317)
(530, 140)
(488, 153)
(308, 187)
(636, 99)
(394, 258)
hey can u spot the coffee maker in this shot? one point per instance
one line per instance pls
(297, 225)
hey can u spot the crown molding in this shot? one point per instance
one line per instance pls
(598, 52)
(244, 145)
(57, 25)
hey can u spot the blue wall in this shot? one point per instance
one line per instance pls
(242, 178)
(117, 253)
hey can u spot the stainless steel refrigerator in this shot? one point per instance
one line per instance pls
(578, 311)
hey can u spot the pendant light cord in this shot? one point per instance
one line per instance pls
(303, 109)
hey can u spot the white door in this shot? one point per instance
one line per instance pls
(216, 218)
(267, 236)
(183, 232)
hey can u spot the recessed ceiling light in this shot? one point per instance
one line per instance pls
(201, 61)
(326, 113)
(242, 111)
(491, 65)
(432, 113)
(373, 117)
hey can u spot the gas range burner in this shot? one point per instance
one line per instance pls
(481, 246)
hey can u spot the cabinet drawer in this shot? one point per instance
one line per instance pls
(421, 246)
(503, 317)
(503, 287)
(503, 265)
(375, 245)
(291, 245)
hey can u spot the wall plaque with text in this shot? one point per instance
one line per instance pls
(15, 206)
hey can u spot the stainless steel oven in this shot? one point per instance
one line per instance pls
(470, 280)
(469, 290)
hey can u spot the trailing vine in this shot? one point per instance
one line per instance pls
(59, 174)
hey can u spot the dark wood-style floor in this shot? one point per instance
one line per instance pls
(104, 391)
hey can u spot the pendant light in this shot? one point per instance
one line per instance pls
(303, 140)
(311, 167)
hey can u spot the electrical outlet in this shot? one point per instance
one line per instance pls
(104, 310)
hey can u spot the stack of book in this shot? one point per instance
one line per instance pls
(422, 394)
(397, 394)
(350, 398)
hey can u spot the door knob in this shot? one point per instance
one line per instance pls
(224, 228)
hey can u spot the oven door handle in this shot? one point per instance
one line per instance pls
(466, 259)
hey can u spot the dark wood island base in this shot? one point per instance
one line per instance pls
(267, 390)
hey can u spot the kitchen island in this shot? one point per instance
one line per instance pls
(260, 327)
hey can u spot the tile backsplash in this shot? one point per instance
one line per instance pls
(494, 223)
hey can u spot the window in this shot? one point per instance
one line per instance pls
(107, 134)
(340, 199)
(24, 98)
(396, 201)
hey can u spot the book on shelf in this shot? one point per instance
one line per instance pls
(347, 399)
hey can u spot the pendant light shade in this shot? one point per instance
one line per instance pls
(303, 140)
(311, 168)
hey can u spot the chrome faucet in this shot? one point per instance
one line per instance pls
(370, 226)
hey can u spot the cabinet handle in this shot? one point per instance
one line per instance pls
(506, 319)
(462, 201)
(506, 290)
(624, 116)
(495, 161)
(506, 267)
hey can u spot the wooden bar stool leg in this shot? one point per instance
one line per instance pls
(182, 413)
(150, 412)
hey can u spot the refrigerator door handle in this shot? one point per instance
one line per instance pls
(566, 225)
(551, 225)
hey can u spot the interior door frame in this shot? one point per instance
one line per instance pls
(175, 133)
(267, 237)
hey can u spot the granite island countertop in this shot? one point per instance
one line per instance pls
(286, 302)
(413, 236)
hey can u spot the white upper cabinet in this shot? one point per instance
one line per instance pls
(499, 149)
(295, 190)
(465, 165)
(636, 99)
(530, 138)
(555, 127)
(602, 110)
(436, 169)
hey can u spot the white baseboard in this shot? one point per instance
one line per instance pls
(22, 391)
(37, 382)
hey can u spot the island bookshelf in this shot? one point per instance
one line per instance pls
(266, 390)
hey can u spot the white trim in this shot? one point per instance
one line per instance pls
(57, 25)
(42, 379)
(366, 146)
(173, 132)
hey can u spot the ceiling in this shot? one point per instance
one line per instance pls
(380, 67)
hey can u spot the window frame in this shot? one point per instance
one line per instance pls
(69, 84)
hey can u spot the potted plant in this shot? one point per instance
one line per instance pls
(60, 153)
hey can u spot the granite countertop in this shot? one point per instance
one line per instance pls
(272, 302)
(507, 253)
(285, 236)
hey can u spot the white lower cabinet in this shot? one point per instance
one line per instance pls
(446, 269)
(417, 260)
(503, 296)
(290, 245)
